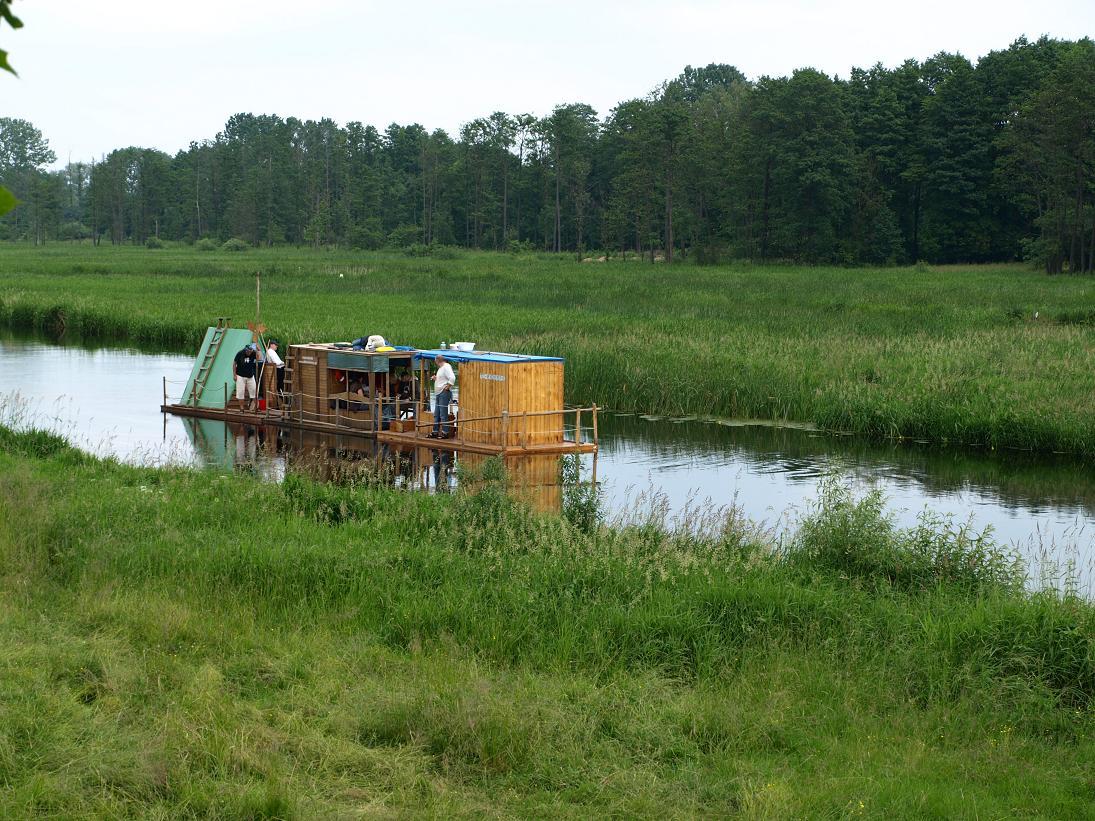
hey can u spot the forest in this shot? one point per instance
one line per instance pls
(941, 161)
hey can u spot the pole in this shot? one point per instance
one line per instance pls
(165, 391)
(258, 296)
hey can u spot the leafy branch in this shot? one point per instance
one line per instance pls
(7, 199)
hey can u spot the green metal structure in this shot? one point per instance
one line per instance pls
(212, 372)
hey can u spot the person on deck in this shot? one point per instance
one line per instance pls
(274, 359)
(243, 369)
(443, 382)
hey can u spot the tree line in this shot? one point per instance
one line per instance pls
(943, 161)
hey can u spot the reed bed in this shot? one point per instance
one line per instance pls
(993, 356)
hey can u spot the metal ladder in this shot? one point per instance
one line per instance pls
(286, 394)
(198, 386)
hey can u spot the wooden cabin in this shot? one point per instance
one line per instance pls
(505, 400)
(337, 385)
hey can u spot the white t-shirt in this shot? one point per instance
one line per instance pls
(273, 358)
(444, 378)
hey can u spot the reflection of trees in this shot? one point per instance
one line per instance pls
(1014, 478)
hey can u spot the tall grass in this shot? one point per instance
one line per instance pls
(943, 354)
(179, 643)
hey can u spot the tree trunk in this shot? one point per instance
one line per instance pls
(916, 223)
(558, 217)
(764, 209)
(668, 218)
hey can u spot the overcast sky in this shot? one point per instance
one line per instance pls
(103, 75)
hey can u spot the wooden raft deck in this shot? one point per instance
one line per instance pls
(409, 439)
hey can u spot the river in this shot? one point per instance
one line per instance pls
(106, 400)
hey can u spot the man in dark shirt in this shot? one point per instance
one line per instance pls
(243, 369)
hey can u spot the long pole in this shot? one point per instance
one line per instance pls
(165, 390)
(258, 297)
(595, 442)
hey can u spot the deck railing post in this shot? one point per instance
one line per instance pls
(577, 426)
(505, 430)
(165, 391)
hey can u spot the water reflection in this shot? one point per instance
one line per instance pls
(1012, 480)
(106, 400)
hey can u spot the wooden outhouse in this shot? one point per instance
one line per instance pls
(507, 400)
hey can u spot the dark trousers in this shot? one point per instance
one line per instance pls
(441, 413)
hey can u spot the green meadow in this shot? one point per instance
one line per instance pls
(184, 644)
(996, 356)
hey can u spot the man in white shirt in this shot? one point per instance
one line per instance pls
(443, 381)
(275, 360)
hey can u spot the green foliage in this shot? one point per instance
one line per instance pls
(155, 243)
(583, 501)
(35, 442)
(235, 244)
(15, 23)
(368, 237)
(857, 539)
(406, 237)
(179, 642)
(206, 244)
(7, 200)
(73, 231)
(417, 249)
(940, 160)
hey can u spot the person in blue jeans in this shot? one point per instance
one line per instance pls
(443, 381)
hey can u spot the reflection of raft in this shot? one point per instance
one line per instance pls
(506, 404)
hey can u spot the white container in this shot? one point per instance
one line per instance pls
(466, 347)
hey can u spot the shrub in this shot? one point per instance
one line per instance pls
(368, 237)
(73, 230)
(235, 244)
(417, 249)
(444, 252)
(206, 244)
(856, 538)
(154, 242)
(582, 501)
(403, 236)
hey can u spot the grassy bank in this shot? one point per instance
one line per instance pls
(949, 354)
(180, 643)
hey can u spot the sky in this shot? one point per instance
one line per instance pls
(95, 76)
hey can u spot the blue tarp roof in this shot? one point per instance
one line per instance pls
(454, 355)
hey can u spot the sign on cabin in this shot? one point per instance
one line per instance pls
(493, 377)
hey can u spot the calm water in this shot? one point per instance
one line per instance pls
(106, 400)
